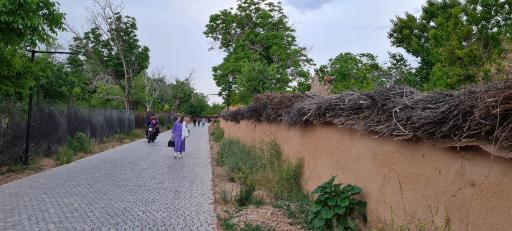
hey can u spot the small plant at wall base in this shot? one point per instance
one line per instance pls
(336, 207)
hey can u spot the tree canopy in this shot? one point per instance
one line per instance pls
(352, 71)
(457, 42)
(24, 23)
(261, 50)
(113, 46)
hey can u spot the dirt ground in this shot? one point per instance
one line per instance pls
(224, 194)
(47, 163)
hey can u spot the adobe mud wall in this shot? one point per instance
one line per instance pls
(408, 182)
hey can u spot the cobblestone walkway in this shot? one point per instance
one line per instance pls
(137, 186)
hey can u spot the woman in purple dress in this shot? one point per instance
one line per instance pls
(179, 133)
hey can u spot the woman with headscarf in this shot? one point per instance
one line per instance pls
(179, 133)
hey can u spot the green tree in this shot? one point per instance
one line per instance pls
(455, 41)
(400, 72)
(24, 23)
(261, 50)
(213, 109)
(29, 23)
(112, 44)
(353, 72)
(180, 93)
(197, 105)
(53, 82)
(154, 87)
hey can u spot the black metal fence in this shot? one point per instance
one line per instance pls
(52, 125)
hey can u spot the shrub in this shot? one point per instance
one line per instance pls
(64, 156)
(217, 133)
(79, 143)
(335, 207)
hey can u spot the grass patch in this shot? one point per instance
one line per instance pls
(227, 225)
(257, 227)
(64, 156)
(217, 133)
(131, 135)
(135, 134)
(263, 168)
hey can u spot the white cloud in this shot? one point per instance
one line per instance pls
(307, 5)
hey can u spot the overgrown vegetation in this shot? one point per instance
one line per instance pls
(261, 167)
(336, 207)
(217, 133)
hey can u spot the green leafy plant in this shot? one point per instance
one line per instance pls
(79, 143)
(336, 207)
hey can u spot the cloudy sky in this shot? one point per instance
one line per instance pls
(172, 29)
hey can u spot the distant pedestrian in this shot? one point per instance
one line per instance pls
(179, 134)
(194, 121)
(203, 122)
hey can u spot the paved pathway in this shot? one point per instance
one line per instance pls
(137, 186)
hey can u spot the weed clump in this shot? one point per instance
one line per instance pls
(64, 156)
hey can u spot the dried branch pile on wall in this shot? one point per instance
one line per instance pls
(480, 113)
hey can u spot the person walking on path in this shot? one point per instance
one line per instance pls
(179, 134)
